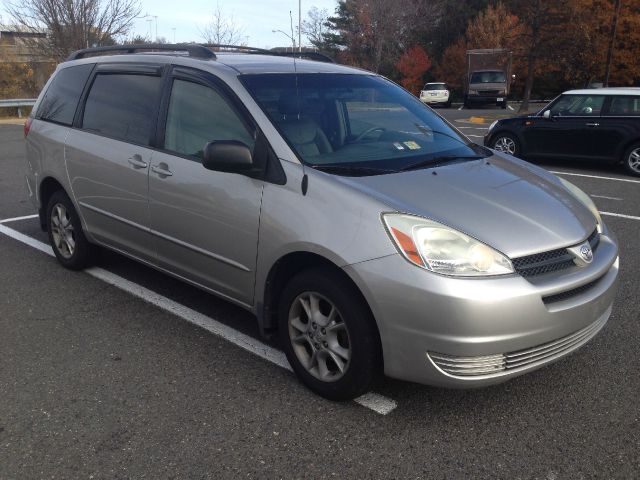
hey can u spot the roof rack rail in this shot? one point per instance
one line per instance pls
(240, 48)
(193, 49)
(317, 56)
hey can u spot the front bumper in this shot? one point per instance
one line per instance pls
(486, 100)
(423, 317)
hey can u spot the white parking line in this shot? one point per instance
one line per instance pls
(374, 401)
(630, 217)
(607, 198)
(475, 136)
(596, 176)
(15, 219)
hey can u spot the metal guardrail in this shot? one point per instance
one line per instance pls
(19, 103)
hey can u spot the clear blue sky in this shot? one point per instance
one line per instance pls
(256, 17)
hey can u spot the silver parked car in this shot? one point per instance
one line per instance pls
(353, 221)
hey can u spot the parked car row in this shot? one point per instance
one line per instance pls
(601, 124)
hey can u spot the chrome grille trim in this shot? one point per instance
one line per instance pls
(550, 261)
(488, 366)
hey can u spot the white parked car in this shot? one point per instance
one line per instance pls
(436, 93)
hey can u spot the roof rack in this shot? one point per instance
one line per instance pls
(193, 50)
(317, 56)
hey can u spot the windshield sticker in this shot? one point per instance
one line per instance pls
(398, 146)
(411, 145)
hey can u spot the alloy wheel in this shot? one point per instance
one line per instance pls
(505, 144)
(634, 160)
(319, 336)
(62, 231)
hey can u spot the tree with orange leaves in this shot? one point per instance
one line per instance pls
(413, 64)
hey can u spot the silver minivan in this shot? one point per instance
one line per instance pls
(359, 226)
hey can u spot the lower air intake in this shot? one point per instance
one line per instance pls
(495, 365)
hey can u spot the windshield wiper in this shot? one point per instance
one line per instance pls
(437, 161)
(352, 170)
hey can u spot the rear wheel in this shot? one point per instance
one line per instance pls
(507, 143)
(70, 246)
(328, 334)
(631, 159)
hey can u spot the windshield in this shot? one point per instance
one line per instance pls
(355, 121)
(487, 77)
(435, 86)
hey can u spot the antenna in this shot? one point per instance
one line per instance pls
(295, 68)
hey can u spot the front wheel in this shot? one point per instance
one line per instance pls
(631, 159)
(507, 143)
(70, 246)
(329, 335)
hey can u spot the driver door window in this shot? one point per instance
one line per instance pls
(578, 106)
(199, 115)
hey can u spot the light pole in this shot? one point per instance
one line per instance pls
(300, 26)
(293, 40)
(155, 17)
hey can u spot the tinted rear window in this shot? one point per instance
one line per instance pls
(624, 106)
(61, 99)
(122, 106)
(435, 86)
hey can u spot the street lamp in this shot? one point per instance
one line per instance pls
(293, 40)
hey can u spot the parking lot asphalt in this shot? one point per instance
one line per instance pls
(117, 379)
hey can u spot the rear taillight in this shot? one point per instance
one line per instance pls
(27, 127)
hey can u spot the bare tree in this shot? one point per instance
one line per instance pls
(222, 29)
(315, 26)
(74, 24)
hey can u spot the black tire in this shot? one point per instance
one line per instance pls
(630, 159)
(517, 150)
(503, 105)
(81, 254)
(363, 340)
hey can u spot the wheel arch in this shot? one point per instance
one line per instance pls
(48, 186)
(511, 132)
(282, 271)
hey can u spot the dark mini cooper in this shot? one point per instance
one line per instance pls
(600, 124)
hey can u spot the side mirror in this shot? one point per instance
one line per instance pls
(547, 114)
(227, 156)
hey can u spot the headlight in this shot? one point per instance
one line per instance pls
(585, 199)
(495, 122)
(442, 249)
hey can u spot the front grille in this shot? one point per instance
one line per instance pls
(488, 92)
(551, 261)
(558, 297)
(502, 363)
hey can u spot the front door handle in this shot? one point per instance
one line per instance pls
(593, 124)
(136, 162)
(162, 169)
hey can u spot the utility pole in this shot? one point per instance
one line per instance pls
(612, 37)
(300, 25)
(156, 19)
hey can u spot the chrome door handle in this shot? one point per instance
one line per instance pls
(136, 162)
(593, 124)
(162, 170)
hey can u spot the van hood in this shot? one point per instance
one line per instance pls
(511, 205)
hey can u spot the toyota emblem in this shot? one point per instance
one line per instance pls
(586, 253)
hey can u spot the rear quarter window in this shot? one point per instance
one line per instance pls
(122, 106)
(61, 98)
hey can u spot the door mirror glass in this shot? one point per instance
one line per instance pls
(227, 156)
(547, 114)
